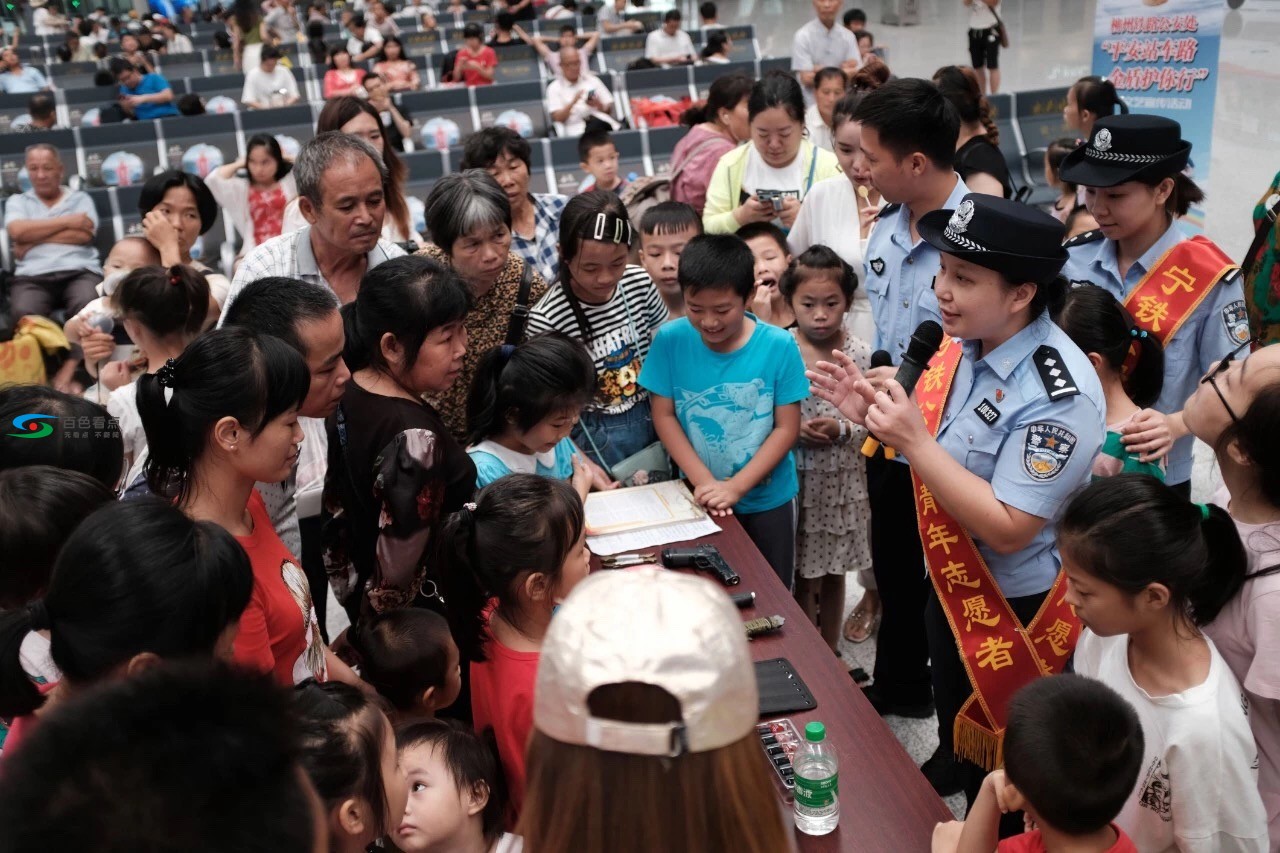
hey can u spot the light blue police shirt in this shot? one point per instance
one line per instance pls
(899, 273)
(1028, 419)
(1218, 325)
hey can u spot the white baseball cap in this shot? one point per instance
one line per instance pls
(667, 629)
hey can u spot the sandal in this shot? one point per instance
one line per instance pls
(862, 622)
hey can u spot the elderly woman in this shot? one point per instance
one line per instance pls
(535, 217)
(469, 219)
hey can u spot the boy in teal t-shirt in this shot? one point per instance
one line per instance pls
(726, 392)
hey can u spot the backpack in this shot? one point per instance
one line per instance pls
(659, 111)
(645, 192)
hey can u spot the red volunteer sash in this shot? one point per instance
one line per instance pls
(999, 655)
(1175, 286)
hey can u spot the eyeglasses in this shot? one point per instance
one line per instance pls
(1220, 368)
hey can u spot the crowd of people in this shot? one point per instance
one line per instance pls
(410, 420)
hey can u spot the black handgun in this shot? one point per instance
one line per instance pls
(703, 558)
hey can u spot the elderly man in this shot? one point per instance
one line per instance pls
(19, 79)
(270, 84)
(823, 43)
(577, 95)
(342, 185)
(51, 230)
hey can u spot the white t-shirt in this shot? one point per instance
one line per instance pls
(561, 93)
(827, 217)
(980, 16)
(1197, 789)
(659, 45)
(819, 133)
(759, 175)
(355, 46)
(123, 406)
(1247, 633)
(263, 88)
(46, 23)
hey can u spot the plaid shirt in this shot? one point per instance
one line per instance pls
(541, 250)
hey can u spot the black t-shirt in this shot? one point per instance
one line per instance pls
(394, 471)
(389, 129)
(979, 156)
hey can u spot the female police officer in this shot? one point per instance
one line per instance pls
(1186, 292)
(1004, 428)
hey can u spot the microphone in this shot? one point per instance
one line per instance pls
(924, 343)
(879, 358)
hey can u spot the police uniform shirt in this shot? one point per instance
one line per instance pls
(899, 276)
(1208, 335)
(1027, 418)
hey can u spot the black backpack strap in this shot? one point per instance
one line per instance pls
(520, 312)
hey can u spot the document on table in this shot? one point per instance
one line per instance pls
(651, 537)
(640, 507)
(644, 517)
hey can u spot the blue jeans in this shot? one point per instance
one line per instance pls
(616, 436)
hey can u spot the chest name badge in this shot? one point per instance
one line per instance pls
(987, 411)
(1236, 320)
(1047, 449)
(877, 264)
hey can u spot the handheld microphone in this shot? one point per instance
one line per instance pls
(924, 343)
(879, 358)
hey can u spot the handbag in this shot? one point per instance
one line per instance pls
(647, 465)
(1000, 27)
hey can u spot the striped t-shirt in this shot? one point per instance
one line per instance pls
(621, 331)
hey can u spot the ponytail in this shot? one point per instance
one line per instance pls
(1097, 323)
(1131, 531)
(519, 525)
(1098, 96)
(727, 91)
(229, 372)
(986, 115)
(524, 384)
(1049, 296)
(134, 577)
(166, 301)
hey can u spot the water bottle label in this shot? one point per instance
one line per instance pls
(817, 793)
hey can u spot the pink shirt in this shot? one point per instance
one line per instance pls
(1247, 634)
(696, 156)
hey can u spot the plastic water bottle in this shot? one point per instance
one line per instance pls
(817, 783)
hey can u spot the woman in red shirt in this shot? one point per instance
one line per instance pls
(220, 418)
(474, 62)
(135, 582)
(342, 78)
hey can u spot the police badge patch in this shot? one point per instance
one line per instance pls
(877, 264)
(1236, 320)
(1047, 449)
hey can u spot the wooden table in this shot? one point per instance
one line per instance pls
(885, 803)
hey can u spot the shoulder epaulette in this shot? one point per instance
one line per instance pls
(1087, 237)
(888, 210)
(1057, 380)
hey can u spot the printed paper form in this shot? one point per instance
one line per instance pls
(640, 508)
(651, 537)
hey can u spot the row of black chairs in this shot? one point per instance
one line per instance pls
(459, 110)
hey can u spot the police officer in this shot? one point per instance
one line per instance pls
(909, 133)
(1132, 171)
(1018, 421)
